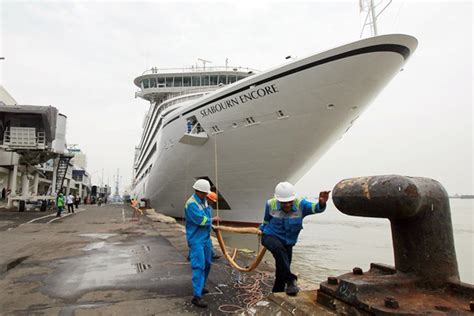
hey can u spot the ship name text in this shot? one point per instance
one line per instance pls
(240, 99)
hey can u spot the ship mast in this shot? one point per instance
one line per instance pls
(204, 62)
(371, 16)
(117, 182)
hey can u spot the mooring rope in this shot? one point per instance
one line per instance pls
(248, 230)
(186, 160)
(231, 259)
(217, 179)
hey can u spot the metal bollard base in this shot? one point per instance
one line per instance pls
(385, 291)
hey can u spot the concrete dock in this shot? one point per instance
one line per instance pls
(98, 261)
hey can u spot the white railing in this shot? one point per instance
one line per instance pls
(155, 70)
(178, 99)
(168, 95)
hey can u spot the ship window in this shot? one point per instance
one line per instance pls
(250, 120)
(186, 81)
(196, 81)
(213, 80)
(240, 78)
(204, 80)
(232, 79)
(178, 81)
(280, 114)
(146, 84)
(169, 81)
(161, 81)
(223, 79)
(152, 82)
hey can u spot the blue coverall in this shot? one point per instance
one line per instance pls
(198, 216)
(280, 233)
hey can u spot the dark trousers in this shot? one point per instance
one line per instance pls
(70, 208)
(282, 254)
(60, 210)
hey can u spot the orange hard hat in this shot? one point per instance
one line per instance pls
(212, 196)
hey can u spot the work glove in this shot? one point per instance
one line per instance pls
(323, 198)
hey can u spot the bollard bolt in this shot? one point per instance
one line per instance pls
(357, 271)
(333, 280)
(391, 302)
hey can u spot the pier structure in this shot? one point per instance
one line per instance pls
(121, 265)
(35, 163)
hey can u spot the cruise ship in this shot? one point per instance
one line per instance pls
(245, 130)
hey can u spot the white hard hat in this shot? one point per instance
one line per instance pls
(285, 192)
(202, 185)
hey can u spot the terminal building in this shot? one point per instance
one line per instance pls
(35, 163)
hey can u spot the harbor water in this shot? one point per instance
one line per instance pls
(333, 243)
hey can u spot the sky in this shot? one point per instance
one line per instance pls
(82, 57)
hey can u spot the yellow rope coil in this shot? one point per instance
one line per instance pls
(231, 258)
(136, 212)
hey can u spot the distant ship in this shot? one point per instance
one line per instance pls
(462, 196)
(245, 131)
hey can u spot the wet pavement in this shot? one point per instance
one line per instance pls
(100, 262)
(11, 218)
(129, 264)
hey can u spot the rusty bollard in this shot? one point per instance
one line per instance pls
(420, 218)
(425, 279)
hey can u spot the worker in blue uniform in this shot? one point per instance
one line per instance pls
(189, 125)
(281, 226)
(198, 216)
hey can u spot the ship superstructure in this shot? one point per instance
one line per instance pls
(169, 89)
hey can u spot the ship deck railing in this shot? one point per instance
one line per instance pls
(197, 69)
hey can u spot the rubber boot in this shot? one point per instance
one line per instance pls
(199, 302)
(292, 288)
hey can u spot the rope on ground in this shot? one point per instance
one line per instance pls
(253, 292)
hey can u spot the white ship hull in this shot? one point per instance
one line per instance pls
(319, 96)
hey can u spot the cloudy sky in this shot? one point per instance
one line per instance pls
(82, 56)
